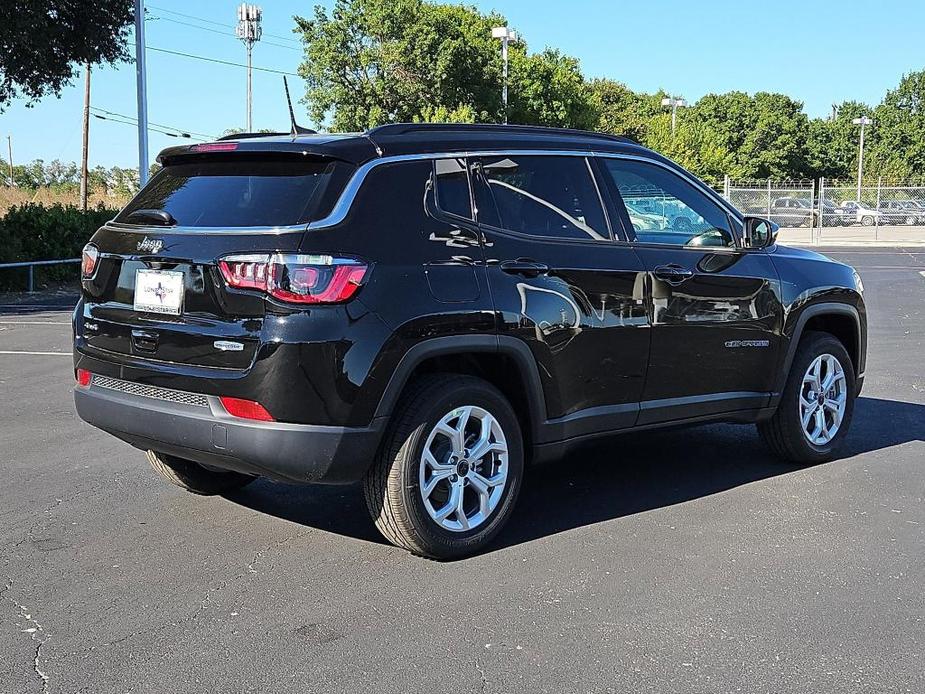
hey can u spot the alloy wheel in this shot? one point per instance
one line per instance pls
(464, 468)
(823, 399)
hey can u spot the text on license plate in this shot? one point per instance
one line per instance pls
(158, 291)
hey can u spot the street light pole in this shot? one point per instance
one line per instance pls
(863, 121)
(506, 35)
(85, 149)
(9, 146)
(249, 31)
(142, 92)
(674, 103)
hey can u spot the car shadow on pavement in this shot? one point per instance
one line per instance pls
(615, 477)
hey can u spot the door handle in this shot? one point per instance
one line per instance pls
(672, 273)
(524, 267)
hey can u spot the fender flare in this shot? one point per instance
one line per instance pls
(465, 344)
(824, 308)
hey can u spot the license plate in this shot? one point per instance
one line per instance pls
(158, 291)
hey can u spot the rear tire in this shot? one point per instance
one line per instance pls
(195, 478)
(429, 466)
(784, 432)
(867, 221)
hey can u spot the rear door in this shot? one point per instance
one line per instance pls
(561, 284)
(157, 293)
(715, 310)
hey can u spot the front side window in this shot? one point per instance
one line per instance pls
(664, 208)
(548, 196)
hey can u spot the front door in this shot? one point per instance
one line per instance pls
(715, 307)
(561, 284)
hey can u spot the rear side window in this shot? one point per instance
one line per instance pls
(243, 193)
(453, 187)
(540, 196)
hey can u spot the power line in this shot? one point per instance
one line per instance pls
(160, 129)
(221, 62)
(212, 21)
(134, 124)
(160, 125)
(223, 33)
(190, 16)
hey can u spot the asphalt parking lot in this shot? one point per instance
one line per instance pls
(683, 561)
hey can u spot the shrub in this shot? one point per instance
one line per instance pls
(39, 232)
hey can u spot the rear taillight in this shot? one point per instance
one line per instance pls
(296, 279)
(246, 409)
(88, 260)
(245, 271)
(84, 378)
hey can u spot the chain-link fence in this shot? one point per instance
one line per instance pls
(786, 203)
(883, 204)
(828, 207)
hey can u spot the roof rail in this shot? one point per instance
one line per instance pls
(407, 128)
(246, 136)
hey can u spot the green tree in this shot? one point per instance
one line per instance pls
(832, 143)
(622, 111)
(44, 43)
(693, 146)
(370, 62)
(897, 138)
(765, 133)
(548, 89)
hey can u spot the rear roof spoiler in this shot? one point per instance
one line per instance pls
(351, 148)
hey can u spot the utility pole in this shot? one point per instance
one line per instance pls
(675, 103)
(142, 89)
(506, 36)
(9, 148)
(84, 174)
(249, 31)
(863, 121)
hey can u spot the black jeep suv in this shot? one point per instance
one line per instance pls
(426, 308)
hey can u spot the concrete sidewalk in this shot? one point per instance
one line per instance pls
(854, 236)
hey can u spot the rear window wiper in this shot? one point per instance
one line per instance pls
(158, 217)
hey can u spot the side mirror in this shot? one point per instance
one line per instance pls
(759, 232)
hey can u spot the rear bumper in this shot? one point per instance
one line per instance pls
(209, 435)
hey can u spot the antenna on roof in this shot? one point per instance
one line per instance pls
(296, 128)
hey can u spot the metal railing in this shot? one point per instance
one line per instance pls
(31, 265)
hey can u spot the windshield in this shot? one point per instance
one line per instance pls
(243, 193)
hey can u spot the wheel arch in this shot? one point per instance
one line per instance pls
(841, 320)
(487, 356)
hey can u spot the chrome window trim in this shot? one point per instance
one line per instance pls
(345, 201)
(158, 230)
(342, 207)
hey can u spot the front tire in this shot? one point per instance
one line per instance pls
(867, 221)
(817, 404)
(195, 478)
(449, 470)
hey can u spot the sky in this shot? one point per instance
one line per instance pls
(819, 52)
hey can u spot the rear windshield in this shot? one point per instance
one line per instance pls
(243, 193)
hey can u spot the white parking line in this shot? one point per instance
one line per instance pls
(922, 273)
(33, 322)
(36, 354)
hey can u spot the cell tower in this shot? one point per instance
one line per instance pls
(249, 31)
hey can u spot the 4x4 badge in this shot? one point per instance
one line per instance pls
(147, 245)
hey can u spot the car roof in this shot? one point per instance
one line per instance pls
(410, 139)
